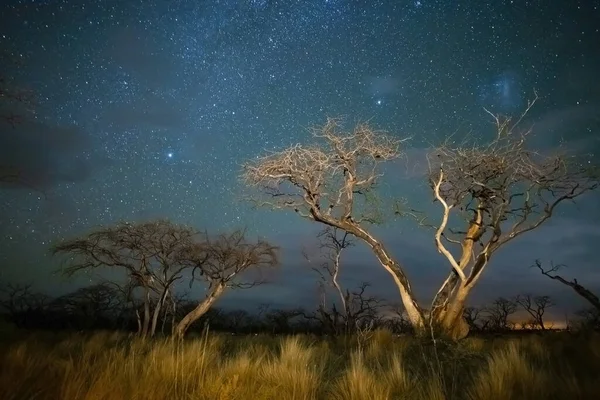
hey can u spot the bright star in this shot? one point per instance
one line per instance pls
(379, 102)
(170, 155)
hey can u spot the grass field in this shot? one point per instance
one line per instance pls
(377, 366)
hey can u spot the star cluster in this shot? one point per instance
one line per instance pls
(164, 100)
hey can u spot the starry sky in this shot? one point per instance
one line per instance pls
(147, 109)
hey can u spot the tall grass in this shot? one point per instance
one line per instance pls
(220, 367)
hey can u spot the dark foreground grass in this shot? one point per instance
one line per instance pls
(221, 367)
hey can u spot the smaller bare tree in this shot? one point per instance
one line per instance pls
(219, 263)
(536, 307)
(498, 313)
(588, 318)
(360, 309)
(21, 303)
(147, 253)
(474, 317)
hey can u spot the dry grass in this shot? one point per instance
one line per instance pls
(220, 367)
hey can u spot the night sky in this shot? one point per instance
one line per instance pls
(148, 109)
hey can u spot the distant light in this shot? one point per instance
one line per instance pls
(170, 155)
(379, 102)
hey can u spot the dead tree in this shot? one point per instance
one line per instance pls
(502, 189)
(536, 307)
(498, 313)
(22, 304)
(580, 290)
(360, 308)
(329, 182)
(474, 318)
(332, 243)
(588, 319)
(148, 254)
(219, 263)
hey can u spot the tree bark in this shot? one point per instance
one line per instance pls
(157, 310)
(413, 310)
(199, 311)
(146, 321)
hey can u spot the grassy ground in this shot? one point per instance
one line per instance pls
(377, 367)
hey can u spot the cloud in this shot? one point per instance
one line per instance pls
(44, 154)
(379, 86)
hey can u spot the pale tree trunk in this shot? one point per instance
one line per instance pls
(414, 312)
(138, 318)
(146, 321)
(199, 311)
(157, 310)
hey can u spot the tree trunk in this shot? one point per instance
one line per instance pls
(413, 310)
(157, 309)
(199, 311)
(139, 322)
(446, 314)
(146, 321)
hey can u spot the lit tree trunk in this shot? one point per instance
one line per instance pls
(199, 311)
(413, 310)
(146, 321)
(157, 310)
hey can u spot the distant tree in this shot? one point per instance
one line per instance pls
(281, 320)
(354, 306)
(587, 319)
(536, 307)
(360, 308)
(474, 317)
(148, 253)
(579, 289)
(501, 188)
(220, 262)
(498, 313)
(332, 243)
(22, 304)
(92, 306)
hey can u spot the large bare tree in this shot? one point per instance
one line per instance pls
(148, 253)
(220, 262)
(501, 188)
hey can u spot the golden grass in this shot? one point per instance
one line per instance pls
(221, 367)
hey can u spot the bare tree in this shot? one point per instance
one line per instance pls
(502, 189)
(580, 290)
(355, 305)
(359, 308)
(219, 263)
(329, 183)
(498, 313)
(588, 319)
(21, 303)
(536, 307)
(90, 306)
(474, 318)
(148, 253)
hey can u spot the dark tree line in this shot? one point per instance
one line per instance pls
(105, 306)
